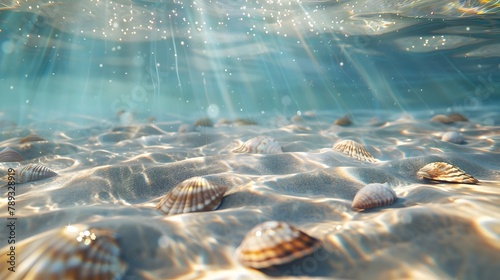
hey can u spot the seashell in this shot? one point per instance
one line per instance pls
(453, 137)
(242, 122)
(354, 150)
(33, 172)
(31, 138)
(442, 119)
(374, 195)
(442, 171)
(344, 121)
(274, 243)
(260, 145)
(10, 155)
(195, 194)
(74, 252)
(457, 117)
(204, 122)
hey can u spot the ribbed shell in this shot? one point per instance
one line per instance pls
(33, 172)
(374, 195)
(74, 252)
(442, 171)
(10, 155)
(195, 194)
(274, 243)
(354, 149)
(260, 145)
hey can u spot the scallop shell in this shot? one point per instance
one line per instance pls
(442, 171)
(452, 137)
(374, 195)
(354, 150)
(33, 172)
(274, 243)
(195, 194)
(10, 155)
(74, 252)
(260, 145)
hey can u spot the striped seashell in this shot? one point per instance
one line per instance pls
(33, 172)
(442, 171)
(260, 145)
(374, 195)
(74, 252)
(453, 137)
(195, 194)
(354, 150)
(10, 155)
(274, 243)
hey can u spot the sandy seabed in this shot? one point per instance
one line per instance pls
(111, 176)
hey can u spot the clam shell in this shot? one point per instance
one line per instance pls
(442, 119)
(374, 195)
(354, 150)
(10, 155)
(260, 145)
(74, 252)
(195, 194)
(442, 171)
(274, 243)
(33, 172)
(457, 117)
(344, 121)
(452, 137)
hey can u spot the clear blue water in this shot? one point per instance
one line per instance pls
(228, 58)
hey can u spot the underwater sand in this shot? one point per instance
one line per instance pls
(112, 175)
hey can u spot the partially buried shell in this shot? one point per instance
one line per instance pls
(374, 195)
(73, 252)
(274, 243)
(10, 155)
(196, 194)
(260, 145)
(354, 150)
(442, 171)
(33, 172)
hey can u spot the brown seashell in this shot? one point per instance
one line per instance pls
(442, 119)
(204, 122)
(344, 121)
(374, 195)
(31, 138)
(354, 150)
(195, 194)
(242, 122)
(457, 117)
(10, 155)
(33, 172)
(442, 171)
(74, 252)
(274, 243)
(260, 145)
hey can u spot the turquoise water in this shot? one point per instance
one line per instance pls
(227, 58)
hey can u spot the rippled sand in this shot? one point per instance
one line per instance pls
(112, 176)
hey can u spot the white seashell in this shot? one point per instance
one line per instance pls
(192, 195)
(374, 195)
(274, 243)
(10, 155)
(442, 171)
(260, 145)
(452, 137)
(33, 172)
(74, 252)
(354, 150)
